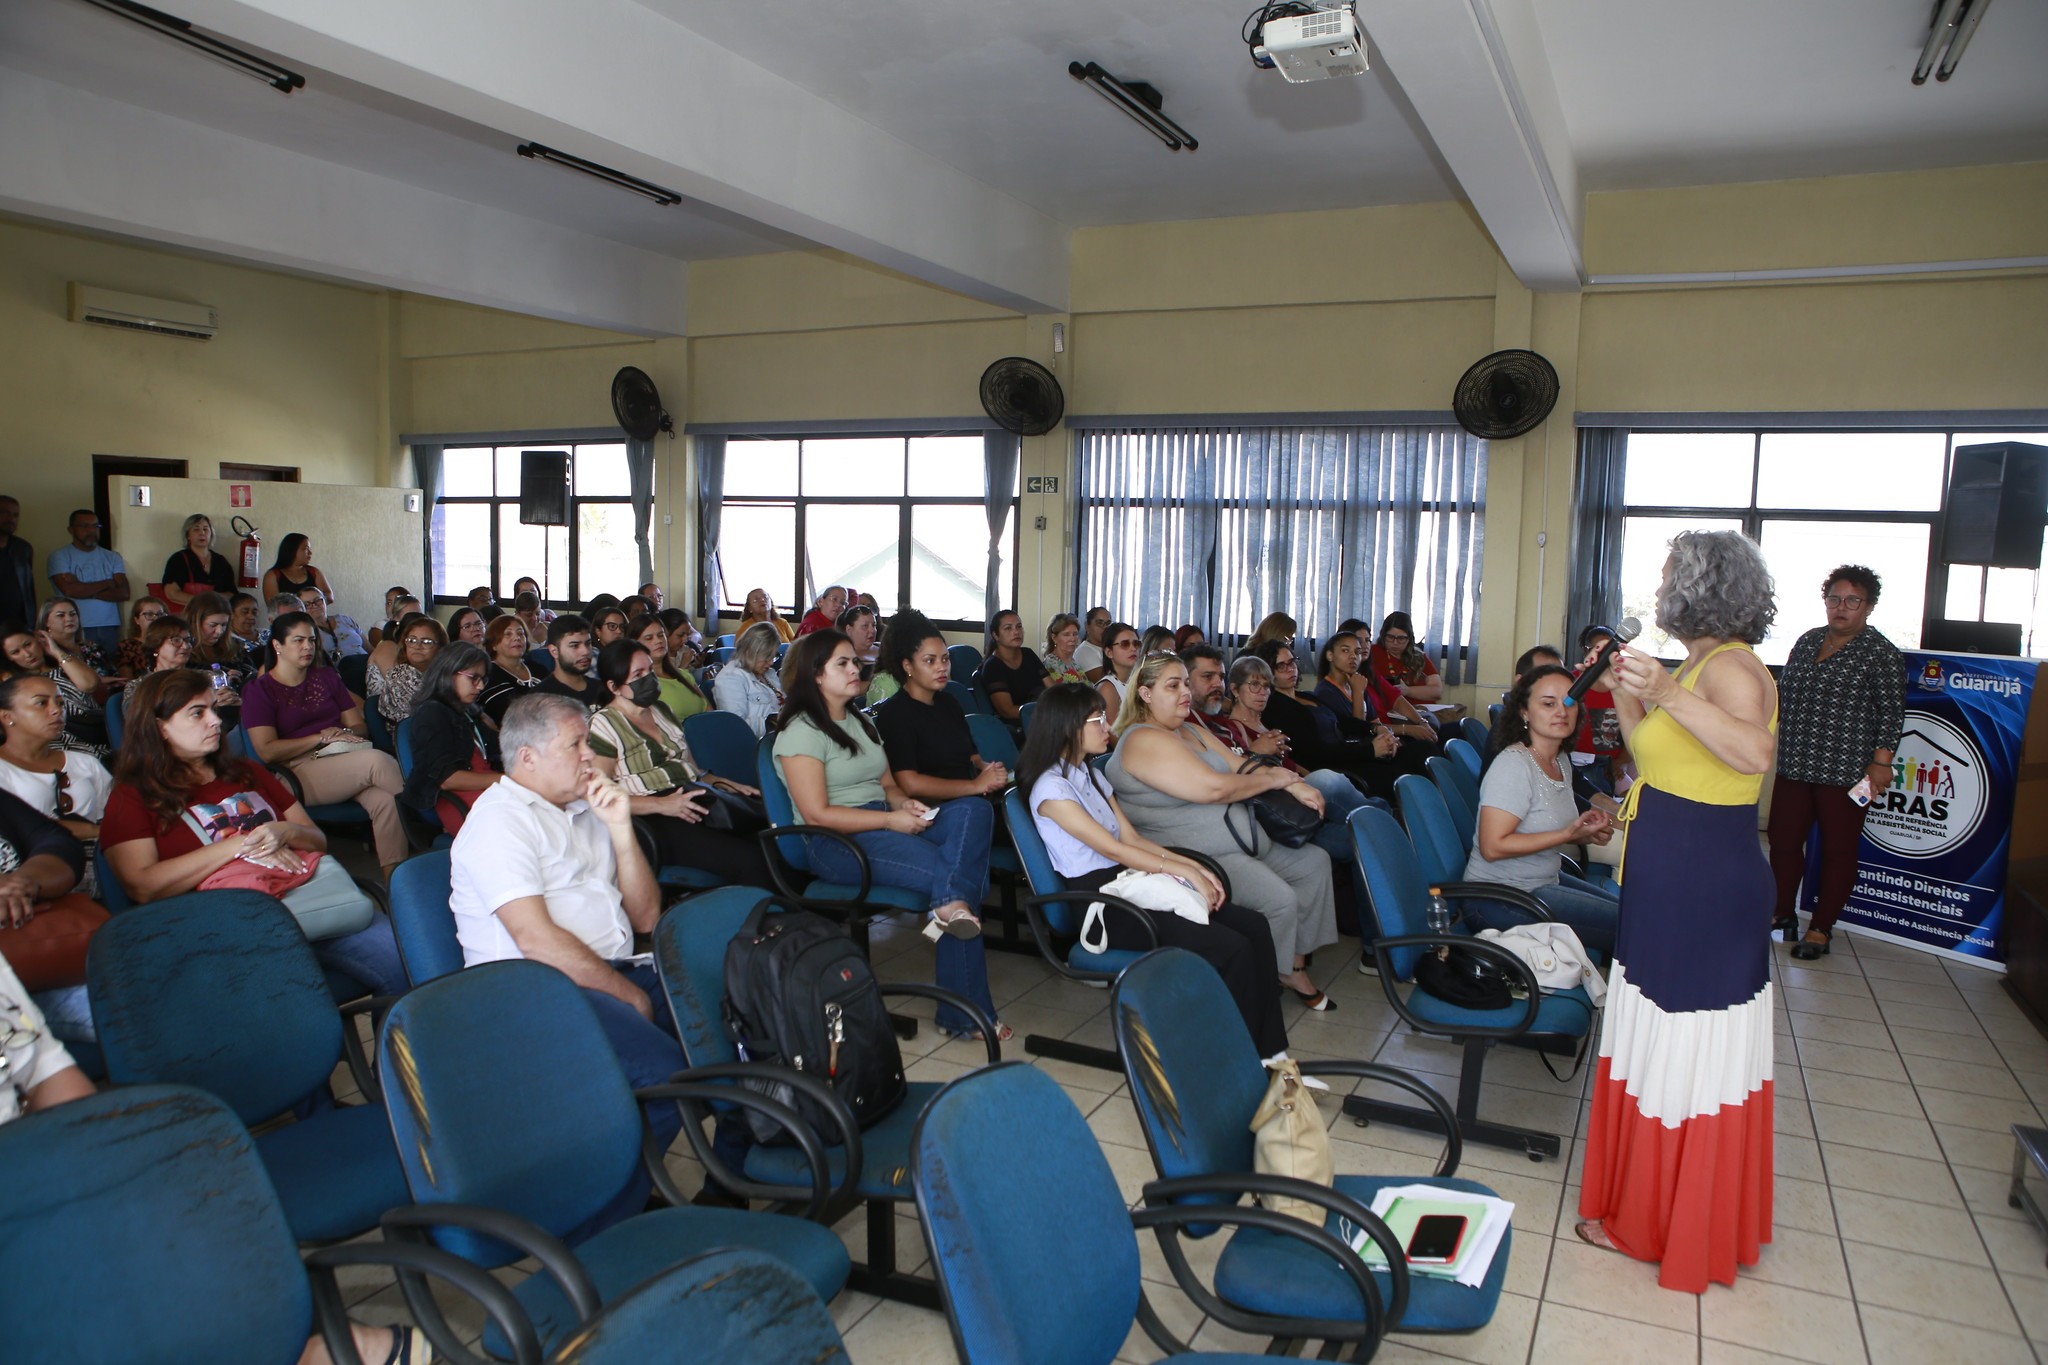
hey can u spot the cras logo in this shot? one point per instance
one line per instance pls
(1937, 795)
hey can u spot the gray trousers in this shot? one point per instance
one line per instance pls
(1291, 887)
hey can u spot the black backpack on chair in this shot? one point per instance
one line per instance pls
(800, 994)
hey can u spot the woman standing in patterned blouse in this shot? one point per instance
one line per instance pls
(1842, 704)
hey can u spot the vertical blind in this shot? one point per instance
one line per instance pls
(1218, 526)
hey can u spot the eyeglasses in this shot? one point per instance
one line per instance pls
(1099, 718)
(1850, 602)
(1396, 639)
(1255, 685)
(63, 793)
(474, 677)
(421, 640)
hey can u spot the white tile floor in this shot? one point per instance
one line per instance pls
(1898, 1077)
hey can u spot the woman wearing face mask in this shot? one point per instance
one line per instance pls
(638, 744)
(451, 764)
(130, 661)
(679, 691)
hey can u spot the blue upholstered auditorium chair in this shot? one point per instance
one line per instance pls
(1466, 753)
(689, 952)
(993, 740)
(1441, 854)
(1474, 732)
(1196, 1080)
(346, 817)
(1024, 716)
(519, 1136)
(733, 1307)
(219, 989)
(722, 744)
(423, 825)
(1023, 1287)
(789, 859)
(169, 1243)
(1461, 795)
(970, 698)
(1555, 1022)
(966, 661)
(421, 919)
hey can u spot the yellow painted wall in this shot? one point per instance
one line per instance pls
(297, 375)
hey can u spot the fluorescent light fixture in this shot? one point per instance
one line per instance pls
(180, 30)
(631, 183)
(1948, 33)
(1137, 99)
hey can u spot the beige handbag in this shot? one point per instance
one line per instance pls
(1289, 1139)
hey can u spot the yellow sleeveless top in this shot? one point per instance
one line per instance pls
(1670, 758)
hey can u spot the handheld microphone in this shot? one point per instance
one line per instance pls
(1625, 630)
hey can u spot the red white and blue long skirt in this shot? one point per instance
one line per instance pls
(1678, 1152)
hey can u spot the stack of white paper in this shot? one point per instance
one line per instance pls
(1490, 1217)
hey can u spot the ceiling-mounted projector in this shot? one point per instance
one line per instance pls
(1310, 44)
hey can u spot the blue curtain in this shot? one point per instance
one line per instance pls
(999, 454)
(1599, 503)
(640, 470)
(426, 467)
(710, 514)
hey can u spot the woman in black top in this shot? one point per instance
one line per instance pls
(196, 568)
(924, 731)
(294, 572)
(1011, 675)
(451, 766)
(1367, 759)
(508, 678)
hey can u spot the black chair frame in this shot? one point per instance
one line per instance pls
(412, 1260)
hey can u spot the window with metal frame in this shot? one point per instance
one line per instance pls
(478, 539)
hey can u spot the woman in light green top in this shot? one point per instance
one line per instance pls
(678, 689)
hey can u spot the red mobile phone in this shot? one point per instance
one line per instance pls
(1436, 1238)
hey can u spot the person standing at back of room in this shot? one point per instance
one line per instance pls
(17, 566)
(94, 577)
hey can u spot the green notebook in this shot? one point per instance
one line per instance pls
(1401, 1218)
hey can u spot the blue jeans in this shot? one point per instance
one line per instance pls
(369, 956)
(1592, 914)
(68, 1013)
(947, 862)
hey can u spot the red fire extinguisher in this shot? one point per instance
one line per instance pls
(251, 551)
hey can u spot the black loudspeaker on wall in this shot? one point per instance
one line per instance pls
(544, 487)
(1996, 497)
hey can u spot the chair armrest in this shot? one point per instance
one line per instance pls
(1116, 905)
(1215, 868)
(1513, 896)
(982, 1023)
(1454, 1147)
(1516, 969)
(352, 1047)
(414, 1223)
(1571, 864)
(289, 778)
(712, 1085)
(412, 1260)
(778, 866)
(1378, 1317)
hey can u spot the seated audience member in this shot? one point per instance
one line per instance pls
(760, 607)
(397, 664)
(635, 607)
(1398, 660)
(607, 624)
(1355, 700)
(924, 731)
(196, 568)
(685, 641)
(130, 660)
(1090, 842)
(340, 636)
(824, 613)
(300, 715)
(679, 691)
(1062, 638)
(537, 628)
(1156, 640)
(1276, 627)
(56, 654)
(183, 808)
(68, 786)
(858, 624)
(745, 686)
(467, 624)
(832, 761)
(508, 677)
(403, 604)
(1597, 754)
(451, 764)
(526, 606)
(1181, 788)
(1534, 657)
(294, 572)
(1011, 675)
(569, 640)
(548, 867)
(1088, 653)
(40, 1073)
(39, 862)
(639, 745)
(867, 599)
(1527, 815)
(651, 594)
(245, 621)
(1120, 662)
(278, 606)
(1187, 636)
(216, 650)
(480, 597)
(167, 644)
(1314, 738)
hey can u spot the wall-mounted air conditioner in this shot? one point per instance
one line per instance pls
(165, 317)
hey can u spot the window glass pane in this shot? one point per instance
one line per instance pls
(757, 549)
(1965, 592)
(855, 546)
(462, 545)
(601, 472)
(946, 467)
(537, 552)
(2009, 595)
(1645, 544)
(760, 469)
(1688, 468)
(607, 559)
(949, 563)
(466, 472)
(857, 467)
(1801, 555)
(1889, 471)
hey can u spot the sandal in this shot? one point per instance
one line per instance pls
(1806, 950)
(1004, 1033)
(1593, 1233)
(962, 923)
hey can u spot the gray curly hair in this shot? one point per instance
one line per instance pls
(1716, 585)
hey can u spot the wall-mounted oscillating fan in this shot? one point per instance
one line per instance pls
(1022, 396)
(1505, 394)
(637, 405)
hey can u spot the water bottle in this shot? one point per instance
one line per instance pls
(1439, 916)
(220, 682)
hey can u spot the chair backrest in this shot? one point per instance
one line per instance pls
(355, 672)
(689, 953)
(421, 919)
(113, 895)
(722, 655)
(1466, 753)
(1430, 830)
(1475, 732)
(503, 1090)
(781, 809)
(992, 740)
(1462, 802)
(726, 642)
(1018, 1285)
(1195, 1075)
(379, 727)
(141, 1223)
(1393, 875)
(540, 659)
(401, 740)
(1063, 916)
(1493, 714)
(1024, 716)
(966, 661)
(217, 989)
(968, 697)
(117, 721)
(735, 1307)
(721, 743)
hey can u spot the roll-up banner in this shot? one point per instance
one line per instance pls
(1931, 874)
